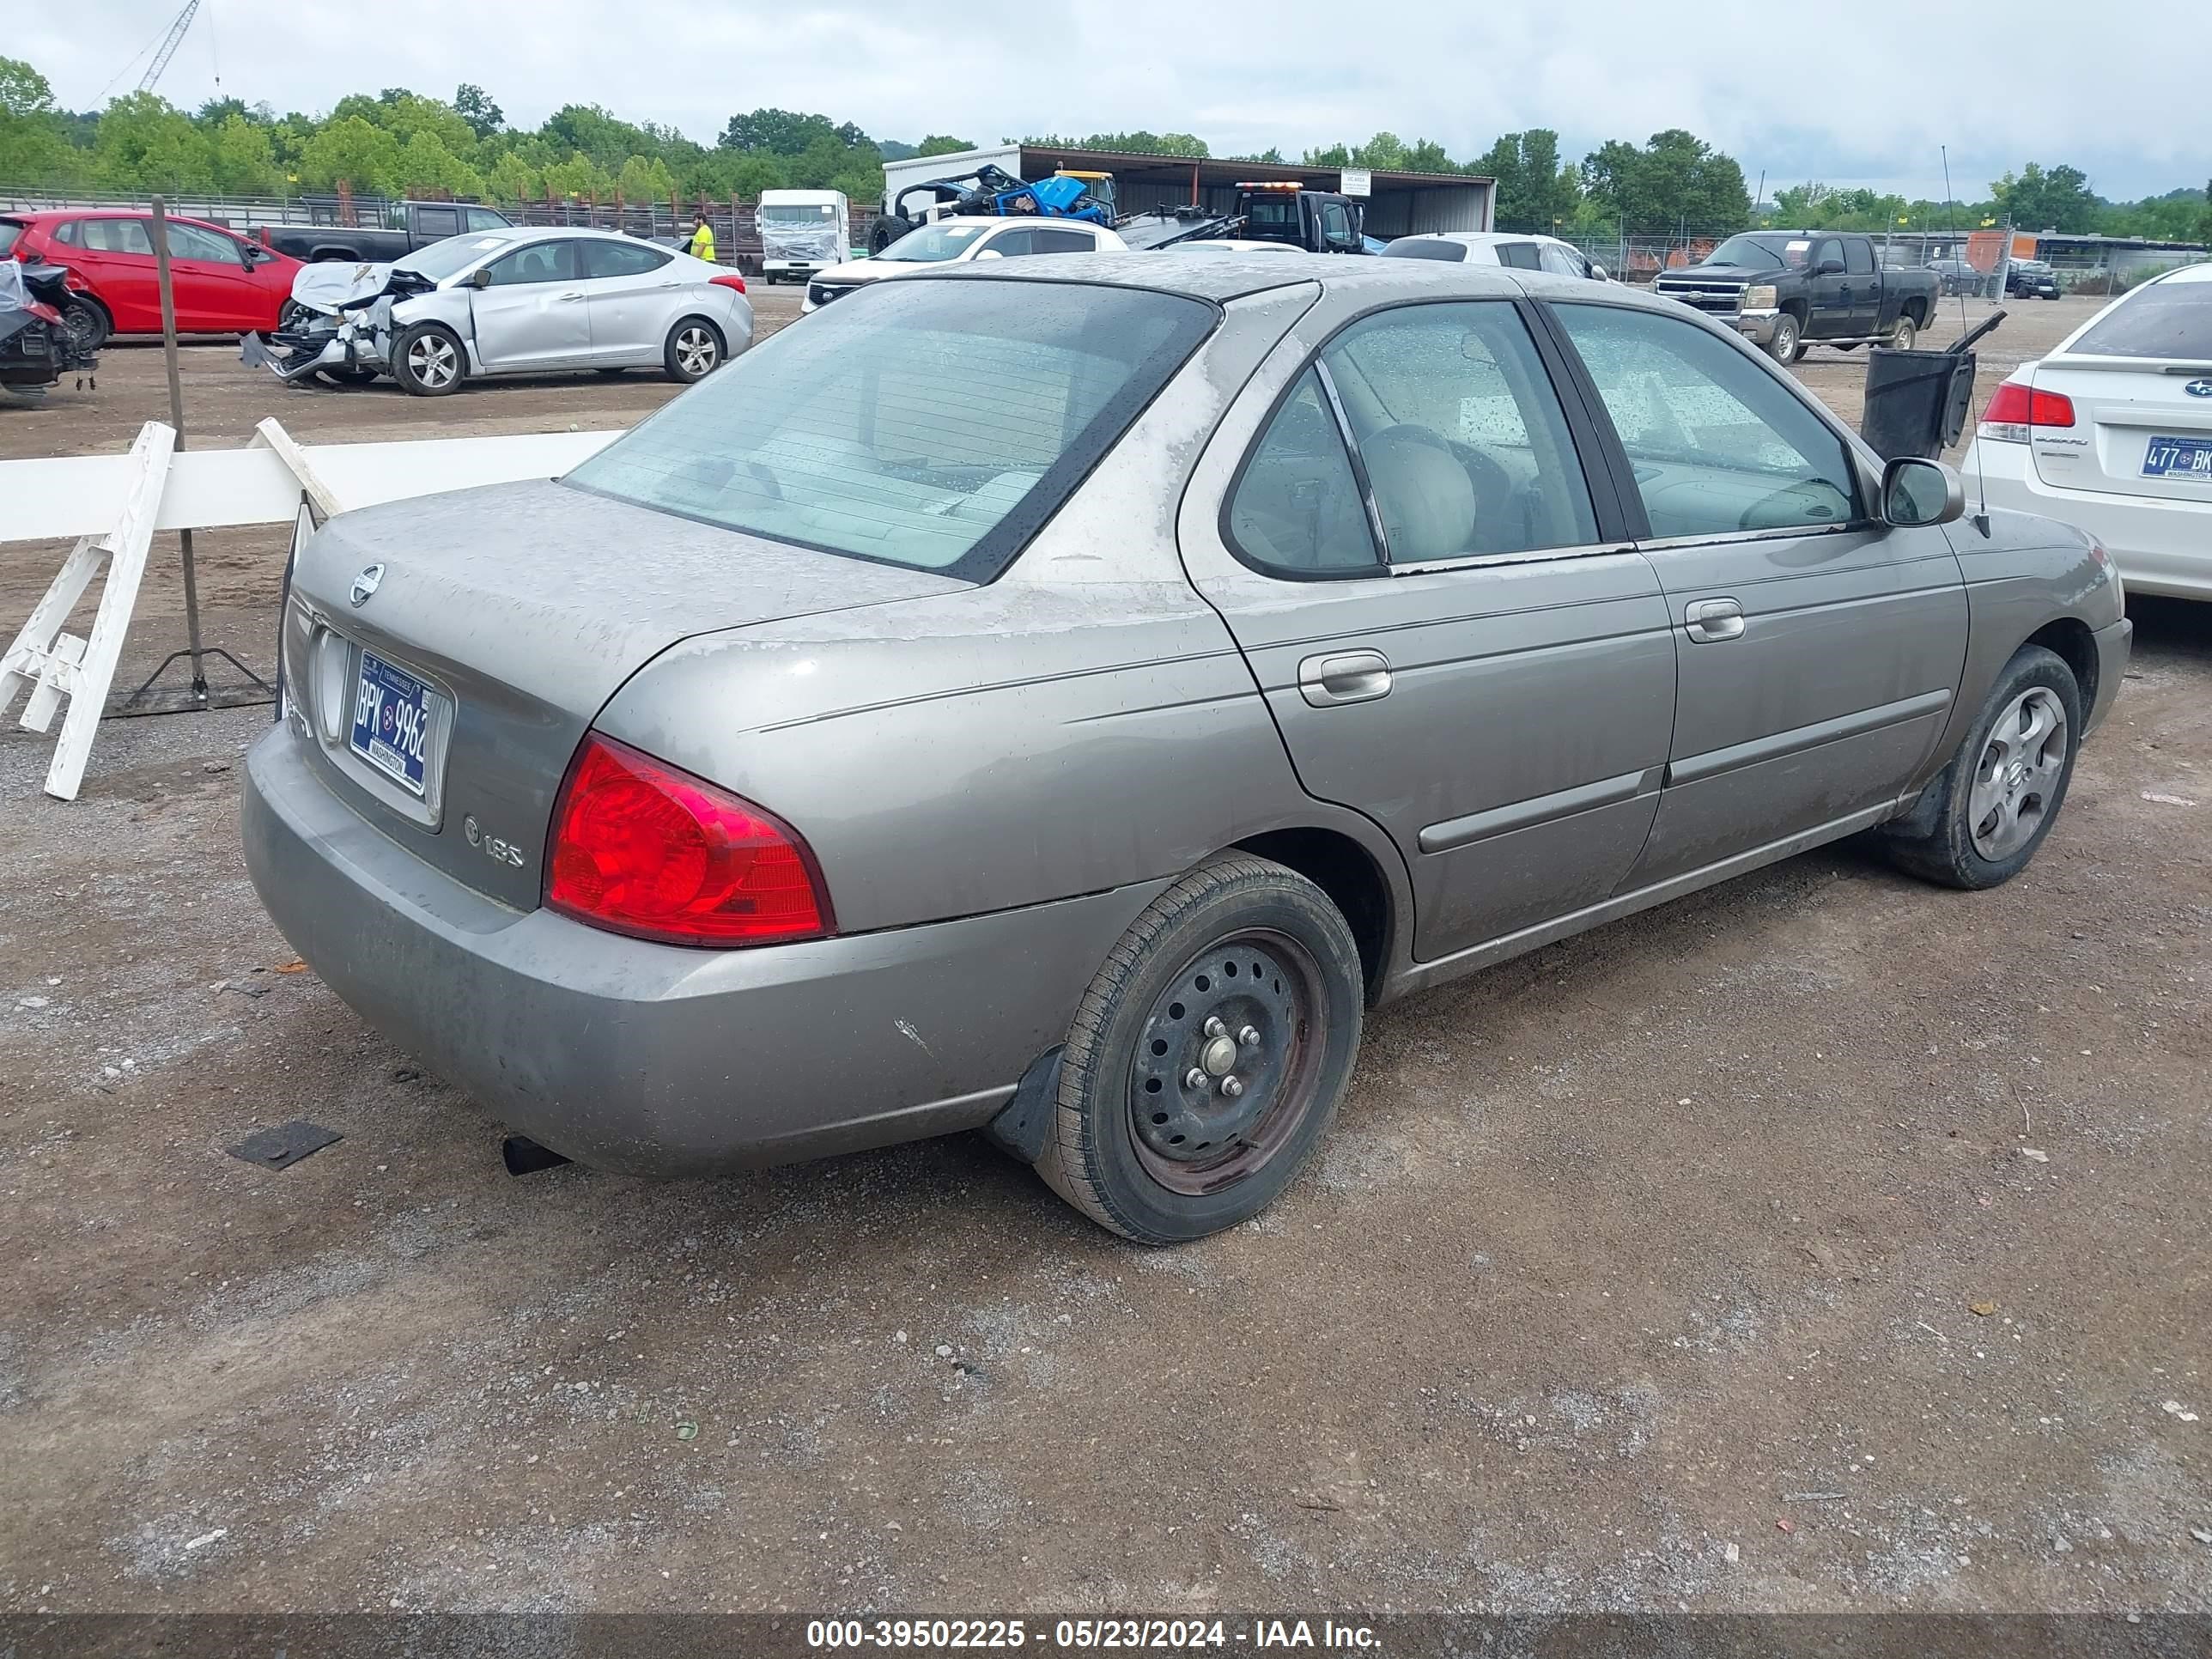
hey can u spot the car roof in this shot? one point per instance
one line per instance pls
(1476, 238)
(54, 216)
(1234, 276)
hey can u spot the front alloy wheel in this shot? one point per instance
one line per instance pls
(2016, 780)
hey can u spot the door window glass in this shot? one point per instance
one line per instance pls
(191, 242)
(1521, 255)
(1336, 223)
(1825, 250)
(1719, 446)
(1563, 261)
(1011, 243)
(1061, 242)
(1464, 442)
(485, 219)
(541, 261)
(434, 223)
(118, 236)
(1296, 509)
(1858, 258)
(621, 258)
(67, 233)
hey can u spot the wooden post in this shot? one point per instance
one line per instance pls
(164, 278)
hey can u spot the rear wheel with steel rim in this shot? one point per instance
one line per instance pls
(693, 350)
(1207, 1058)
(427, 361)
(1902, 335)
(1981, 820)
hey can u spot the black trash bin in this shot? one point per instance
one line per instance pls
(1917, 402)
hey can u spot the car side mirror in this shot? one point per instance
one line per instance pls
(1830, 268)
(1599, 274)
(1916, 493)
(480, 277)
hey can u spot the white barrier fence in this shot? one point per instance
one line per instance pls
(115, 504)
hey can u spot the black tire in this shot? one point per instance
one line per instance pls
(1787, 345)
(87, 323)
(694, 348)
(428, 360)
(887, 229)
(1904, 333)
(1938, 840)
(1191, 958)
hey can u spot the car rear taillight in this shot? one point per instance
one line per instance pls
(729, 279)
(2018, 406)
(642, 849)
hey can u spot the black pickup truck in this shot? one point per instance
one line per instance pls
(409, 225)
(1786, 289)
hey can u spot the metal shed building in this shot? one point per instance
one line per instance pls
(1398, 204)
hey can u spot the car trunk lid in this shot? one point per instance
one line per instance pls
(2140, 428)
(505, 617)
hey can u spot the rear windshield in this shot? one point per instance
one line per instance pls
(784, 213)
(10, 231)
(1417, 247)
(924, 422)
(2160, 320)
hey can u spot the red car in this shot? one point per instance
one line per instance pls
(224, 284)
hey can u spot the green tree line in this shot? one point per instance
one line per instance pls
(398, 141)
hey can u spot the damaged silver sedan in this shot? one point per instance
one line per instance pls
(524, 301)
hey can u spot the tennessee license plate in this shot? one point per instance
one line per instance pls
(2179, 458)
(391, 714)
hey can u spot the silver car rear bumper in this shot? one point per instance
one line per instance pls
(656, 1059)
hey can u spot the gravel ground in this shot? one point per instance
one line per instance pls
(1820, 1242)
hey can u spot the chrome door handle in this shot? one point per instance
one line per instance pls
(569, 299)
(1710, 620)
(1349, 677)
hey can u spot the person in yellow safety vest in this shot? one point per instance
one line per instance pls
(702, 244)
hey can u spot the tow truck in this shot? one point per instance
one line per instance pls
(1286, 212)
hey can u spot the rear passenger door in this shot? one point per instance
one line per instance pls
(115, 257)
(1862, 283)
(1452, 634)
(1820, 649)
(630, 291)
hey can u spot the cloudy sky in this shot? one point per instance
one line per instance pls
(1796, 92)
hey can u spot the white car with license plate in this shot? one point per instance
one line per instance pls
(2112, 433)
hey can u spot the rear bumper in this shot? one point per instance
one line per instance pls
(2162, 547)
(653, 1060)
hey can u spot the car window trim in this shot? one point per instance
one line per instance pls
(1615, 531)
(1364, 484)
(1861, 518)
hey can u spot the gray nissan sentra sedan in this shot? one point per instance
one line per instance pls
(1063, 702)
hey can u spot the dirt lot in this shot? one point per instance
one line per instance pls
(1820, 1242)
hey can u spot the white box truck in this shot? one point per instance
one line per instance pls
(803, 231)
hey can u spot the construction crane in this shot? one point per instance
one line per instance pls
(169, 44)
